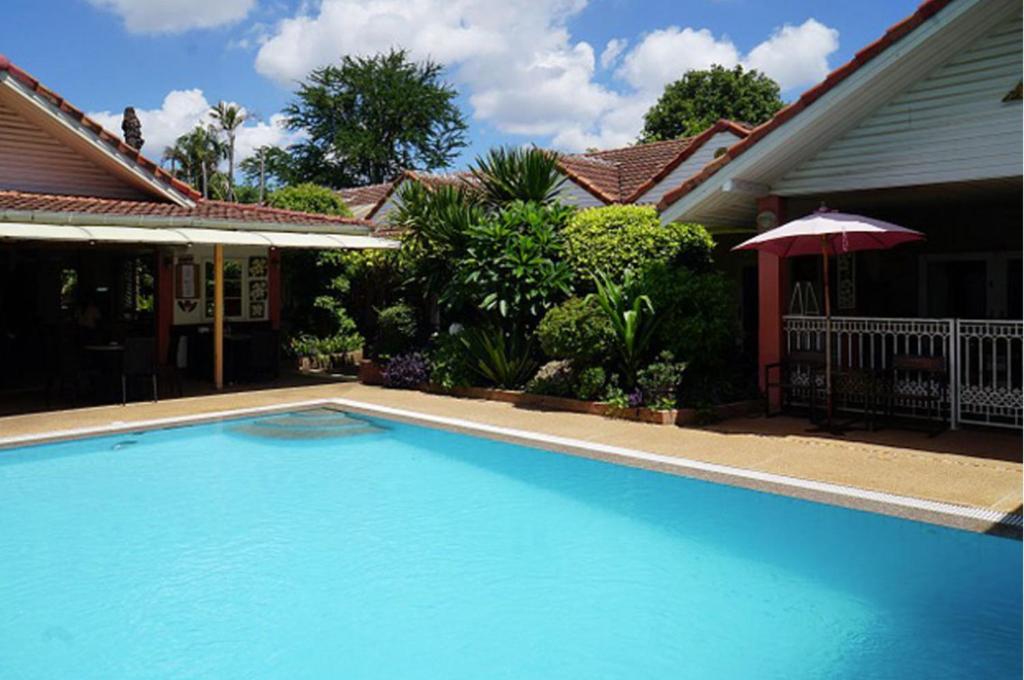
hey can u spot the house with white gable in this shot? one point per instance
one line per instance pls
(922, 128)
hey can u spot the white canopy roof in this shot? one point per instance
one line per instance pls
(34, 231)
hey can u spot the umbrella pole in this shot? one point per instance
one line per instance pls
(828, 334)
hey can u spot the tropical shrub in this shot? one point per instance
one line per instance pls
(406, 370)
(554, 378)
(396, 330)
(697, 317)
(500, 359)
(631, 315)
(448, 362)
(512, 265)
(590, 383)
(659, 382)
(615, 238)
(321, 348)
(311, 198)
(578, 330)
(615, 395)
(508, 174)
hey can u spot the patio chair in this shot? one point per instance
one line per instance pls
(139, 362)
(799, 378)
(928, 392)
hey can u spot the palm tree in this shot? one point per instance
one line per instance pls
(229, 117)
(195, 155)
(507, 174)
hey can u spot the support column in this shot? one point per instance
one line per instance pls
(771, 288)
(164, 305)
(274, 288)
(218, 316)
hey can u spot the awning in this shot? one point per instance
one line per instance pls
(34, 231)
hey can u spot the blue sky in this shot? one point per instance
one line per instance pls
(564, 73)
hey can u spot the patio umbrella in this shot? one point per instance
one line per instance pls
(829, 233)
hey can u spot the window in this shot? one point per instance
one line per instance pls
(232, 288)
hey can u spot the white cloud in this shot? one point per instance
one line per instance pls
(612, 50)
(665, 55)
(796, 55)
(181, 111)
(175, 16)
(519, 66)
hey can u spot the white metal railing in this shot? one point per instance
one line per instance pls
(983, 358)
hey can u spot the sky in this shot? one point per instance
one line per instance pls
(564, 74)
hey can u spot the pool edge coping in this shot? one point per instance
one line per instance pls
(969, 518)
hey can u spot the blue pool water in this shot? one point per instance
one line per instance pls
(315, 545)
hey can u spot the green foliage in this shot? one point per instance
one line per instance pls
(590, 383)
(507, 174)
(632, 319)
(698, 319)
(309, 198)
(435, 227)
(512, 264)
(396, 330)
(194, 157)
(448, 362)
(501, 359)
(700, 98)
(369, 118)
(305, 345)
(554, 378)
(275, 166)
(614, 395)
(577, 330)
(615, 238)
(659, 382)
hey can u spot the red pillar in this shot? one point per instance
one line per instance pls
(771, 288)
(274, 288)
(164, 304)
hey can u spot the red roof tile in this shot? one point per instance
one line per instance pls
(205, 209)
(113, 143)
(893, 35)
(365, 195)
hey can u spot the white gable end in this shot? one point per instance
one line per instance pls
(951, 125)
(691, 166)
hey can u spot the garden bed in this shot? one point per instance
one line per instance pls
(678, 416)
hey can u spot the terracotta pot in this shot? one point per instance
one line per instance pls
(370, 373)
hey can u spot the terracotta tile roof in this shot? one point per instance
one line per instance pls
(624, 175)
(205, 209)
(894, 34)
(114, 143)
(366, 195)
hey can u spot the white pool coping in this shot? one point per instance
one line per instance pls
(908, 507)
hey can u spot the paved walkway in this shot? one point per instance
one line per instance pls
(974, 468)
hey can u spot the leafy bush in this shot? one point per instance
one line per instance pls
(615, 238)
(578, 330)
(396, 330)
(590, 383)
(502, 360)
(448, 367)
(512, 264)
(554, 378)
(659, 382)
(312, 346)
(697, 318)
(311, 198)
(616, 396)
(631, 315)
(406, 371)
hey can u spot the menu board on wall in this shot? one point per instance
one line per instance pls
(188, 281)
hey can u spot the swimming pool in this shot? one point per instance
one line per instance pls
(322, 544)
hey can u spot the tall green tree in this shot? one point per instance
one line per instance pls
(369, 118)
(700, 98)
(228, 118)
(269, 168)
(194, 157)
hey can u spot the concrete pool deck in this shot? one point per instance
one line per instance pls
(972, 468)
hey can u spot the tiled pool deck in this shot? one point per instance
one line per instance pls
(977, 469)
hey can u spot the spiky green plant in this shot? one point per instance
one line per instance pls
(502, 359)
(506, 174)
(632, 318)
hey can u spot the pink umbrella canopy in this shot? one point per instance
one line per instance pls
(841, 233)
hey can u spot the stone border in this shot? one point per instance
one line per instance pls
(981, 520)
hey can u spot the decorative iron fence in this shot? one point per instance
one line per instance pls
(983, 360)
